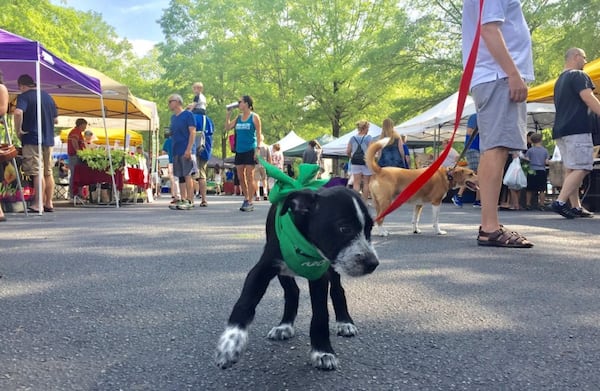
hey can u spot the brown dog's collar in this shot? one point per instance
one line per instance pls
(450, 176)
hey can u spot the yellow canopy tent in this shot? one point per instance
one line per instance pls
(113, 135)
(119, 102)
(545, 92)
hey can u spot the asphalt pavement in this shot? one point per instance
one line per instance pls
(135, 298)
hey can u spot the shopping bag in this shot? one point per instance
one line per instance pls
(232, 142)
(515, 178)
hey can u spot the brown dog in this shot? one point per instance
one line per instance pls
(387, 182)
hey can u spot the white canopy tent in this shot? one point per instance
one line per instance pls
(338, 146)
(437, 123)
(290, 141)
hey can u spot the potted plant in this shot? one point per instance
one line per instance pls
(97, 159)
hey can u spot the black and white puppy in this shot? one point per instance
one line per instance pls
(336, 221)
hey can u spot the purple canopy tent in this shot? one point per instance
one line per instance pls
(20, 55)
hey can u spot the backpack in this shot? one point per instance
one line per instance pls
(391, 157)
(200, 137)
(358, 157)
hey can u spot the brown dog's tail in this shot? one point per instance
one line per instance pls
(370, 158)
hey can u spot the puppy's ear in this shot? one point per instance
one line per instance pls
(299, 202)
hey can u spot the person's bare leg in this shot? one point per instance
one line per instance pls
(35, 202)
(244, 182)
(528, 195)
(491, 167)
(571, 184)
(514, 199)
(202, 187)
(48, 191)
(189, 189)
(356, 183)
(366, 180)
(249, 171)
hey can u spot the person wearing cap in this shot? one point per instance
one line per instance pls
(183, 134)
(26, 125)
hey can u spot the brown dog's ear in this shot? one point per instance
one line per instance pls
(299, 202)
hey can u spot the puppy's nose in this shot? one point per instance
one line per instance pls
(371, 264)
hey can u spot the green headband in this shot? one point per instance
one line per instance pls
(301, 256)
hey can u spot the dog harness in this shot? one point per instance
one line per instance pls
(300, 255)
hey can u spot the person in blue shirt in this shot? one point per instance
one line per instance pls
(204, 136)
(168, 149)
(26, 125)
(472, 156)
(183, 134)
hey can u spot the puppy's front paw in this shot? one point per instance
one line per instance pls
(232, 343)
(281, 332)
(346, 329)
(322, 360)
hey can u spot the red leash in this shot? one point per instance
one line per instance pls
(463, 91)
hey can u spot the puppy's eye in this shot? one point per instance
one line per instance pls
(345, 229)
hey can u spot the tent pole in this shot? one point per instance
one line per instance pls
(110, 162)
(40, 178)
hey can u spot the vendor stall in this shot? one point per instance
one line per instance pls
(85, 175)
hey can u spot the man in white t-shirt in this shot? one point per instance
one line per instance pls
(452, 157)
(504, 65)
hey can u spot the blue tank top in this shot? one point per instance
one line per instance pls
(245, 134)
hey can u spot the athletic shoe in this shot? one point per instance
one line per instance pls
(563, 210)
(250, 207)
(457, 201)
(244, 206)
(185, 205)
(582, 212)
(476, 204)
(173, 204)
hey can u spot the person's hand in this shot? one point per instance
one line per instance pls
(518, 89)
(21, 133)
(187, 155)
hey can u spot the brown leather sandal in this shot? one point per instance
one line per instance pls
(503, 238)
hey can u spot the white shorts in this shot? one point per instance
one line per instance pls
(356, 169)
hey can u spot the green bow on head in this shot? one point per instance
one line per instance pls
(301, 256)
(284, 184)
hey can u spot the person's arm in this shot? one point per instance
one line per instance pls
(588, 97)
(18, 120)
(494, 40)
(258, 127)
(191, 139)
(229, 124)
(3, 100)
(349, 148)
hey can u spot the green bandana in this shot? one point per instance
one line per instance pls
(301, 256)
